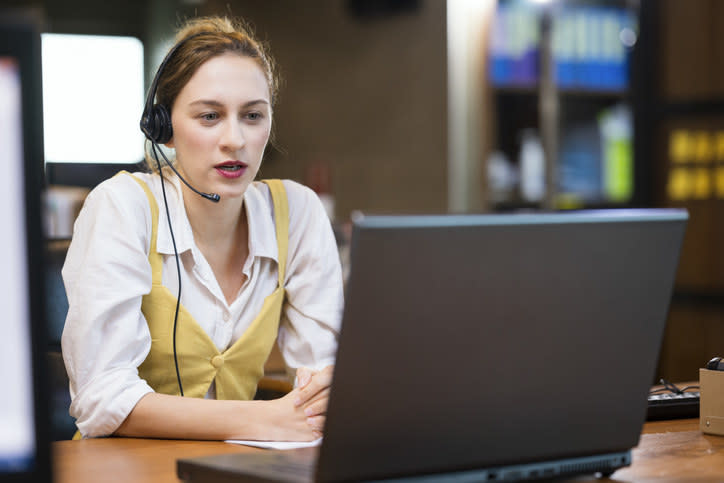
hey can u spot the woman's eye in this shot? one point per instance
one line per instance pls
(254, 116)
(211, 116)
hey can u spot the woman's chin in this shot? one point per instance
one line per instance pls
(231, 193)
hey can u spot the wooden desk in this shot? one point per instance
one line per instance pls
(669, 451)
(128, 459)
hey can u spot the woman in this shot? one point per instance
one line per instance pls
(260, 262)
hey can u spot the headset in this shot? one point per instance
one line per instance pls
(156, 125)
(156, 120)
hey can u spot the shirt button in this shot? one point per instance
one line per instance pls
(226, 316)
(217, 361)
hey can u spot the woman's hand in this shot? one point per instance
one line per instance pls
(288, 421)
(313, 394)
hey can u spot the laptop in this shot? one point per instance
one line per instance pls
(25, 443)
(488, 347)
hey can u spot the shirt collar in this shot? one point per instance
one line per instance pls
(262, 230)
(260, 216)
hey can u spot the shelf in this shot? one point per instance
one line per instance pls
(698, 107)
(595, 93)
(523, 206)
(578, 92)
(516, 90)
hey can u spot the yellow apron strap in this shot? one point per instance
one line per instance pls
(154, 257)
(281, 214)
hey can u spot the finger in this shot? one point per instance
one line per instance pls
(296, 400)
(304, 375)
(317, 407)
(323, 394)
(320, 381)
(316, 423)
(324, 377)
(327, 373)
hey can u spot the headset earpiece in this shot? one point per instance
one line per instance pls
(156, 124)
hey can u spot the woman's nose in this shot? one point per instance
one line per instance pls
(233, 136)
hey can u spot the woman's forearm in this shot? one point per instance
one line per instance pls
(173, 417)
(298, 416)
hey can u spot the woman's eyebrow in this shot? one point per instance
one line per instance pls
(217, 104)
(254, 102)
(205, 102)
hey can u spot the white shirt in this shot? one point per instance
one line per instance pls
(107, 272)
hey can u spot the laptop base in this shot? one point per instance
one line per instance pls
(268, 466)
(279, 466)
(604, 465)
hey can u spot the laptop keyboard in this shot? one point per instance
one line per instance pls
(670, 405)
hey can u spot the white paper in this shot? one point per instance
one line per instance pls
(277, 444)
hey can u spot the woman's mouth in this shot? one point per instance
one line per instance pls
(231, 169)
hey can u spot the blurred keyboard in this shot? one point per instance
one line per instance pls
(671, 405)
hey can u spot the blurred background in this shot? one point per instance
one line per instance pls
(435, 106)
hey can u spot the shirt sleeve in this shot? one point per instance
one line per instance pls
(105, 337)
(311, 317)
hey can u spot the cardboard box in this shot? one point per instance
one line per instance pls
(711, 402)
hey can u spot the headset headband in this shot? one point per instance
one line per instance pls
(156, 119)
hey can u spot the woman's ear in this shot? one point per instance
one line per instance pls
(169, 144)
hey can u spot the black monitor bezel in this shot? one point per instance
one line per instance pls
(20, 39)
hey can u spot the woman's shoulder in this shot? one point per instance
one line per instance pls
(123, 189)
(116, 205)
(295, 191)
(292, 188)
(303, 201)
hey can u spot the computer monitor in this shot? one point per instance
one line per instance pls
(24, 445)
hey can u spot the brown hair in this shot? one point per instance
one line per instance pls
(212, 36)
(203, 38)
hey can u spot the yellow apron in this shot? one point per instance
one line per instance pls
(236, 370)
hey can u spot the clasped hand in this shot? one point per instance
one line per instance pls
(312, 395)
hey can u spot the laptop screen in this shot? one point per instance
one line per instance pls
(23, 449)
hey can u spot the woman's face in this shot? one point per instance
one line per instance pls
(221, 123)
